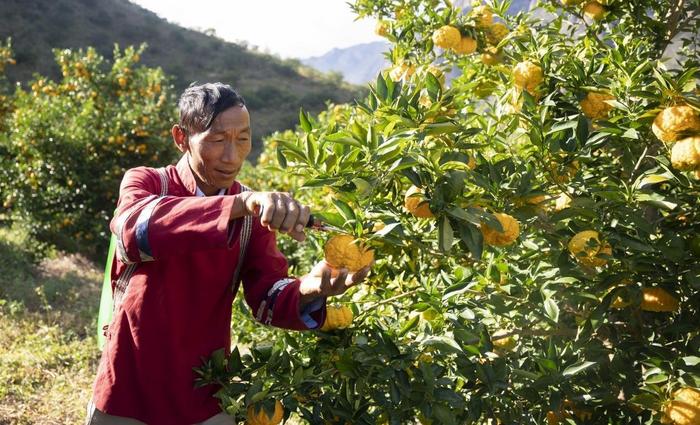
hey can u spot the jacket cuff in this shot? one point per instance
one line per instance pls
(282, 307)
(313, 307)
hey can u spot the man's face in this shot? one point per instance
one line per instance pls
(217, 154)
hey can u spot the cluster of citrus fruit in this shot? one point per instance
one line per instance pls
(679, 126)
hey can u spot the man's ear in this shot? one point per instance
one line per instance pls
(180, 138)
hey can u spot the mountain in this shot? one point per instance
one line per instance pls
(273, 88)
(360, 64)
(357, 64)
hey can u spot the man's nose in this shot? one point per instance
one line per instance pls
(230, 153)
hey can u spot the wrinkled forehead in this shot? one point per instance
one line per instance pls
(234, 118)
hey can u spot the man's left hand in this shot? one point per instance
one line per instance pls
(326, 281)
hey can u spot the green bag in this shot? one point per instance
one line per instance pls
(105, 315)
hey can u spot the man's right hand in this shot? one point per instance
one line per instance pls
(278, 211)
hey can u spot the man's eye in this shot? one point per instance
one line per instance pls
(217, 141)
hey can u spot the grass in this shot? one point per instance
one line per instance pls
(48, 350)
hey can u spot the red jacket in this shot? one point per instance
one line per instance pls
(177, 260)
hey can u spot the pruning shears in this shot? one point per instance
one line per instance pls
(315, 223)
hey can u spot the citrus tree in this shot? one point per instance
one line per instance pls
(533, 219)
(66, 144)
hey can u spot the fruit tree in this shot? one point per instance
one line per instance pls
(529, 186)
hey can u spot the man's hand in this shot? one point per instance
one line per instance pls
(278, 211)
(325, 281)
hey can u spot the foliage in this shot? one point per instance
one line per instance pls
(68, 143)
(425, 343)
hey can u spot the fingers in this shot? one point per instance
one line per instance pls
(360, 275)
(340, 283)
(281, 212)
(325, 278)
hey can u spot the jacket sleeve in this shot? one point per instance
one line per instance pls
(149, 227)
(272, 295)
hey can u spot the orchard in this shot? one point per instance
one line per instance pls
(527, 186)
(66, 143)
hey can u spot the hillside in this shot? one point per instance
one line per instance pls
(358, 64)
(274, 89)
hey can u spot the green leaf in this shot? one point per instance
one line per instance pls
(446, 235)
(565, 126)
(434, 87)
(412, 323)
(551, 309)
(456, 289)
(304, 121)
(342, 137)
(656, 379)
(650, 179)
(345, 210)
(381, 87)
(441, 128)
(582, 130)
(691, 360)
(235, 364)
(443, 343)
(388, 228)
(576, 368)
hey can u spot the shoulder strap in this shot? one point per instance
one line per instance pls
(122, 282)
(244, 238)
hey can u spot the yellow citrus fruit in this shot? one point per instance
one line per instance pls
(471, 164)
(586, 246)
(382, 28)
(685, 155)
(511, 231)
(527, 75)
(466, 46)
(594, 10)
(594, 105)
(490, 57)
(506, 343)
(571, 2)
(684, 407)
(402, 71)
(446, 37)
(672, 122)
(337, 317)
(416, 204)
(483, 15)
(258, 416)
(341, 251)
(658, 300)
(496, 32)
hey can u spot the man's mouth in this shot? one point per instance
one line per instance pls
(227, 173)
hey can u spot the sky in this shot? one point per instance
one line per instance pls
(287, 28)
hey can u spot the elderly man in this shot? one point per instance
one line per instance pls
(187, 235)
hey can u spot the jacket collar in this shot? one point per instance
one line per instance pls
(185, 173)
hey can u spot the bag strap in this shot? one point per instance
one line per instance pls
(122, 283)
(244, 238)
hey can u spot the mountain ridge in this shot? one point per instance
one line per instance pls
(274, 89)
